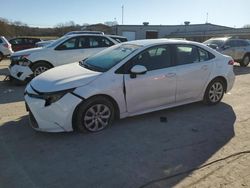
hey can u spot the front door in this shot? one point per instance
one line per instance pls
(157, 86)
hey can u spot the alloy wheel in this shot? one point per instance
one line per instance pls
(40, 70)
(97, 117)
(216, 92)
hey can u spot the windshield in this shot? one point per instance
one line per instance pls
(219, 43)
(56, 42)
(109, 57)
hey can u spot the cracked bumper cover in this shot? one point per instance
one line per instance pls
(56, 117)
(20, 72)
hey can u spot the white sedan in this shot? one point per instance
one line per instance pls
(27, 64)
(125, 80)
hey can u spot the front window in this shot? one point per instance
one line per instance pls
(56, 42)
(109, 57)
(154, 58)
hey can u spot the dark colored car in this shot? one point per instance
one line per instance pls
(23, 43)
(118, 38)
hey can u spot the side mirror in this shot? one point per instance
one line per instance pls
(137, 69)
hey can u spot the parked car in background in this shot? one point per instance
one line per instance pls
(238, 49)
(22, 43)
(118, 38)
(5, 48)
(43, 43)
(27, 64)
(124, 80)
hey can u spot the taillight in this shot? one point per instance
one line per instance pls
(231, 62)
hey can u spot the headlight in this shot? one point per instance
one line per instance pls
(55, 96)
(21, 60)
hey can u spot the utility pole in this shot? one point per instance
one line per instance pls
(207, 18)
(122, 13)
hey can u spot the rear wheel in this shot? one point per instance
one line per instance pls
(245, 61)
(214, 92)
(39, 68)
(95, 115)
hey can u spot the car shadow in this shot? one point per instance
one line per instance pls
(238, 70)
(131, 153)
(10, 92)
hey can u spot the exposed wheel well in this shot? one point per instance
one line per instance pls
(117, 110)
(42, 61)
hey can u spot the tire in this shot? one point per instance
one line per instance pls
(1, 56)
(245, 61)
(40, 67)
(94, 115)
(214, 92)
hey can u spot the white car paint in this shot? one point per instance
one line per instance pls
(155, 90)
(52, 55)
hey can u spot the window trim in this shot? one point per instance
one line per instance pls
(211, 56)
(125, 68)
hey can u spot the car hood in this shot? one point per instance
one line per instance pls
(28, 51)
(63, 77)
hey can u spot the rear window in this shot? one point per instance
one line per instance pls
(219, 43)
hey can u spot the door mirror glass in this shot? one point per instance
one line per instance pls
(138, 69)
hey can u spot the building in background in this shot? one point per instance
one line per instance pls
(194, 32)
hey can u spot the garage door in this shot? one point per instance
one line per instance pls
(130, 35)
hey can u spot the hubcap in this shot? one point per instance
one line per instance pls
(97, 117)
(40, 70)
(216, 92)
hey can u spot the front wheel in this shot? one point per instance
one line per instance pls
(214, 92)
(245, 61)
(95, 115)
(39, 68)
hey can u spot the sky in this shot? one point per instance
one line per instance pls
(48, 13)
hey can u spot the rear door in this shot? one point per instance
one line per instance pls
(240, 49)
(193, 68)
(229, 48)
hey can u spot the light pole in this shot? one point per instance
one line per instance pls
(122, 13)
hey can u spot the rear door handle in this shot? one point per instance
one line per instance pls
(170, 75)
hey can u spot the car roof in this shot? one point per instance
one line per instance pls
(118, 36)
(148, 42)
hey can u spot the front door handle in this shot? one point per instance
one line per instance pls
(170, 75)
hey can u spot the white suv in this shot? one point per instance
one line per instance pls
(27, 64)
(5, 48)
